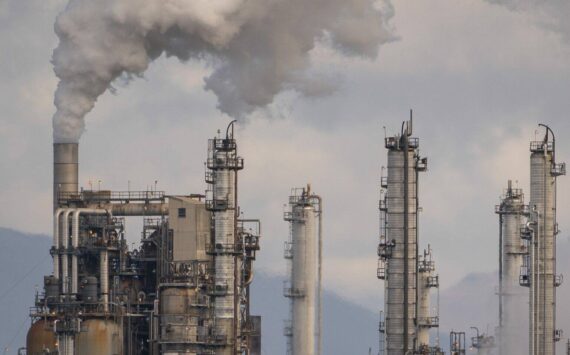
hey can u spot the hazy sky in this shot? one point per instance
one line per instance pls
(479, 76)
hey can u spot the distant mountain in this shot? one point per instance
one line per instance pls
(24, 260)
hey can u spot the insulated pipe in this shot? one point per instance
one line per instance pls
(56, 238)
(104, 270)
(64, 256)
(320, 278)
(137, 209)
(75, 243)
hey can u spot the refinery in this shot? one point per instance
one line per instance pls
(284, 225)
(185, 289)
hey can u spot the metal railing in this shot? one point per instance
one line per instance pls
(292, 292)
(540, 146)
(228, 163)
(428, 322)
(217, 205)
(288, 250)
(385, 248)
(558, 279)
(525, 277)
(288, 328)
(432, 281)
(106, 195)
(558, 169)
(381, 270)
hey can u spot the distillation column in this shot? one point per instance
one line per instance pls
(543, 279)
(398, 248)
(224, 164)
(512, 297)
(426, 320)
(303, 287)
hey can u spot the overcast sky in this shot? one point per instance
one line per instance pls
(479, 76)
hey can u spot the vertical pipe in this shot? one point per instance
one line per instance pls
(64, 256)
(104, 270)
(56, 241)
(406, 242)
(319, 280)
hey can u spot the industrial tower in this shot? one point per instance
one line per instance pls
(407, 281)
(303, 251)
(513, 299)
(539, 271)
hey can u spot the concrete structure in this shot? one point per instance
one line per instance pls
(303, 250)
(513, 299)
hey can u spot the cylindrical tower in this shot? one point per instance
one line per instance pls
(512, 297)
(426, 320)
(543, 279)
(224, 163)
(302, 288)
(65, 170)
(399, 249)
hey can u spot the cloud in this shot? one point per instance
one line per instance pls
(256, 49)
(550, 14)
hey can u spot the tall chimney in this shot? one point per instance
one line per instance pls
(65, 169)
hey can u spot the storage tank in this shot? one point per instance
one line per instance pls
(40, 339)
(99, 336)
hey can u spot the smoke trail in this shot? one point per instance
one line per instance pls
(256, 48)
(550, 14)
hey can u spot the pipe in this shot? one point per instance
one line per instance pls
(137, 209)
(56, 239)
(104, 270)
(320, 278)
(406, 241)
(75, 243)
(64, 256)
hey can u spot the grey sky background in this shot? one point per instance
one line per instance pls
(479, 76)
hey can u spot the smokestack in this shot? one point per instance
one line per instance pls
(65, 169)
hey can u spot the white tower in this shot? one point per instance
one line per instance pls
(303, 250)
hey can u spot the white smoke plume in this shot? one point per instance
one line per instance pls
(256, 48)
(550, 14)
